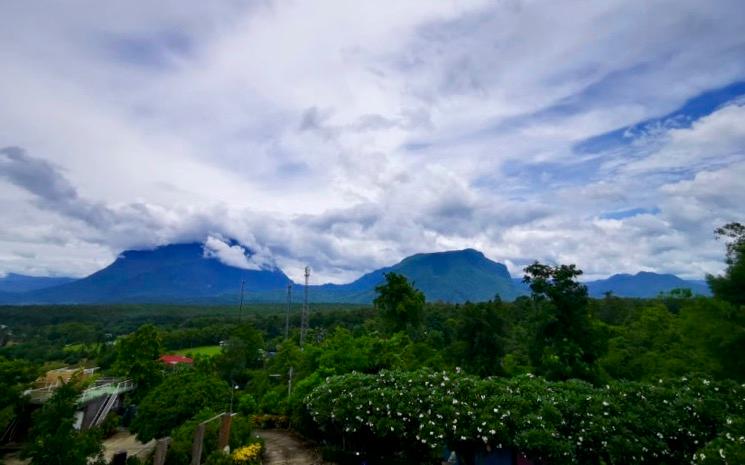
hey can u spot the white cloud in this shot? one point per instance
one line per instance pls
(350, 134)
(236, 255)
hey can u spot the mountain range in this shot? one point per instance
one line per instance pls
(184, 273)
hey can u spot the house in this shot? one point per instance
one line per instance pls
(175, 359)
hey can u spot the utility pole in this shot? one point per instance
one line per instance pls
(289, 304)
(289, 383)
(240, 308)
(304, 316)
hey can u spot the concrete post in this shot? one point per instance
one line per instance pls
(196, 447)
(161, 449)
(227, 420)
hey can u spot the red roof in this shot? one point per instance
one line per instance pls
(175, 359)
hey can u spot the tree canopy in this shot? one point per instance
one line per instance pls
(176, 400)
(565, 344)
(400, 304)
(731, 285)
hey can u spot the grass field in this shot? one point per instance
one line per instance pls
(207, 351)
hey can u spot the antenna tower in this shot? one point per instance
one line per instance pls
(304, 317)
(240, 307)
(289, 304)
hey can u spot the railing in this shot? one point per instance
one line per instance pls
(41, 395)
(108, 389)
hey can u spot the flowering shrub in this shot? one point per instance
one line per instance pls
(568, 422)
(246, 455)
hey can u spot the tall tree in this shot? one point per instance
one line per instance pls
(179, 397)
(480, 330)
(399, 303)
(731, 285)
(242, 351)
(137, 358)
(565, 344)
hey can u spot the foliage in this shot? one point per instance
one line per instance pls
(176, 399)
(218, 457)
(53, 437)
(179, 451)
(14, 376)
(137, 357)
(565, 344)
(480, 345)
(400, 305)
(241, 351)
(247, 404)
(565, 422)
(731, 285)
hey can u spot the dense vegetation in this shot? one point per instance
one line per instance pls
(559, 376)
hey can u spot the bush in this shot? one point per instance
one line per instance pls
(565, 422)
(247, 404)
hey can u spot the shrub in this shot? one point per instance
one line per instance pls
(565, 422)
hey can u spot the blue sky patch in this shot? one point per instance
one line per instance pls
(621, 214)
(695, 108)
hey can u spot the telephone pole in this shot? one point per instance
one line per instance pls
(304, 316)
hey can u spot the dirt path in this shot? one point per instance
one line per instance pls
(126, 441)
(285, 448)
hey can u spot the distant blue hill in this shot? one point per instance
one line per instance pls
(13, 282)
(171, 273)
(644, 284)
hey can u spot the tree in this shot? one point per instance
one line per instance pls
(650, 347)
(14, 376)
(565, 343)
(480, 341)
(731, 285)
(177, 399)
(53, 437)
(240, 352)
(137, 358)
(400, 305)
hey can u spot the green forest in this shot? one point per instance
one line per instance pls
(557, 376)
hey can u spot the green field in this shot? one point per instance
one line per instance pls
(208, 351)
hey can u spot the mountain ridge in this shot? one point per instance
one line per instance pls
(188, 273)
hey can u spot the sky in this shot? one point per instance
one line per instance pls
(349, 135)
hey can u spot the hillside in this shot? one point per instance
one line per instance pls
(453, 276)
(171, 273)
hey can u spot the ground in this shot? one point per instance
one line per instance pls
(125, 440)
(286, 448)
(208, 351)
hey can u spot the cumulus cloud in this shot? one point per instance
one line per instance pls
(236, 255)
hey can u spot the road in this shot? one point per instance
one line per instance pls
(286, 448)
